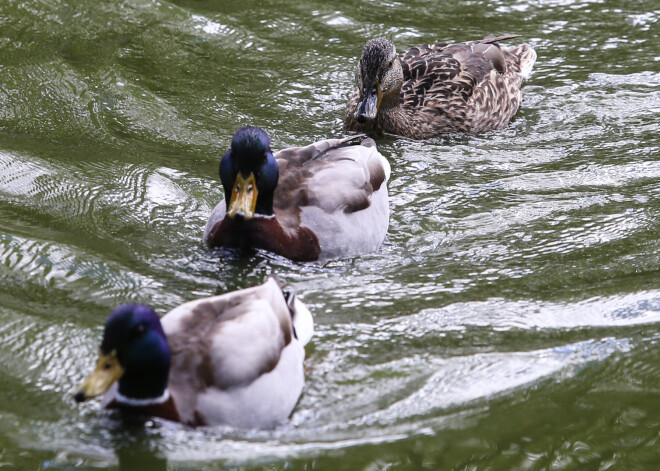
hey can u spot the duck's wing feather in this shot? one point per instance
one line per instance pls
(439, 71)
(334, 175)
(225, 343)
(295, 157)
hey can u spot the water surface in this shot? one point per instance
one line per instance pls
(510, 321)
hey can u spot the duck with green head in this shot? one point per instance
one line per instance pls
(235, 359)
(328, 199)
(435, 89)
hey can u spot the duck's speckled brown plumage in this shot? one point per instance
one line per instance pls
(469, 87)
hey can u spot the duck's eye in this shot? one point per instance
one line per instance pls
(249, 188)
(390, 64)
(238, 188)
(107, 366)
(140, 330)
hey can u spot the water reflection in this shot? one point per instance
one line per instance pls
(136, 448)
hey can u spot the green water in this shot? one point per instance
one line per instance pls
(510, 321)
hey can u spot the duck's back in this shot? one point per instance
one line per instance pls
(235, 358)
(467, 87)
(338, 189)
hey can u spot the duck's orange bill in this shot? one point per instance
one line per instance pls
(106, 373)
(243, 197)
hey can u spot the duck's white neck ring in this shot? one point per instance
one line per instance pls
(149, 401)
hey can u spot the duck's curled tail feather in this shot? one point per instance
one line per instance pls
(526, 57)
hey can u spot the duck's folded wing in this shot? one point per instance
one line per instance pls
(340, 178)
(443, 70)
(428, 76)
(227, 341)
(296, 157)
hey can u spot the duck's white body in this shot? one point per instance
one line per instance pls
(254, 358)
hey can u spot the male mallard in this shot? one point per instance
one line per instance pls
(438, 88)
(328, 199)
(235, 359)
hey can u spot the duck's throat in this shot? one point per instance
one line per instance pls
(143, 387)
(391, 119)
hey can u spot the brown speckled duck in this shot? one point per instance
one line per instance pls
(328, 199)
(435, 89)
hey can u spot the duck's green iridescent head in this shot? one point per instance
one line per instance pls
(378, 77)
(135, 352)
(249, 174)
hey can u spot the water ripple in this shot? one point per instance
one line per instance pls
(510, 320)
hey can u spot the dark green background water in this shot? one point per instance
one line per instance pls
(511, 319)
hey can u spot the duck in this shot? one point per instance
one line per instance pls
(325, 200)
(234, 359)
(469, 87)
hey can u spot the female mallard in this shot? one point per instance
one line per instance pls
(439, 88)
(328, 199)
(235, 359)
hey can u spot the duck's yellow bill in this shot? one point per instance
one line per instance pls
(106, 373)
(243, 197)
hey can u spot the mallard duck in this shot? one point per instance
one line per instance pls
(235, 359)
(328, 199)
(428, 90)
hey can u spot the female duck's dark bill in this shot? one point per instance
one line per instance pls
(368, 107)
(107, 372)
(243, 197)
